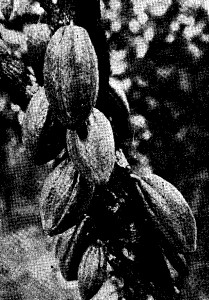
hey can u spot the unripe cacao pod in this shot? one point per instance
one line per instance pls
(43, 134)
(92, 272)
(64, 198)
(169, 212)
(70, 257)
(94, 156)
(71, 75)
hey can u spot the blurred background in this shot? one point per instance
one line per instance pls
(159, 55)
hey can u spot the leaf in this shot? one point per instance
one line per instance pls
(168, 211)
(92, 272)
(64, 199)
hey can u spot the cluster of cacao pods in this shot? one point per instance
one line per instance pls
(108, 220)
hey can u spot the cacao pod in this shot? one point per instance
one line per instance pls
(169, 212)
(70, 257)
(64, 198)
(61, 242)
(94, 156)
(71, 75)
(43, 134)
(92, 272)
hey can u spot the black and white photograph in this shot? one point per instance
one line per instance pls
(104, 143)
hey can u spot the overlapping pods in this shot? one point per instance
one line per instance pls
(64, 199)
(74, 248)
(93, 155)
(71, 76)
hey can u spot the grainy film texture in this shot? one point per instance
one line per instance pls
(104, 149)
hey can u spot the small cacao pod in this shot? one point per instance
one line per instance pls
(92, 272)
(72, 252)
(43, 134)
(94, 156)
(71, 75)
(169, 212)
(64, 198)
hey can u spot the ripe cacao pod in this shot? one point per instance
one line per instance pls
(93, 156)
(78, 242)
(64, 198)
(43, 134)
(92, 272)
(71, 75)
(169, 212)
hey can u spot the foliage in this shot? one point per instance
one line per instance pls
(158, 56)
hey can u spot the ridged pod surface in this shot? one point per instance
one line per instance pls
(92, 272)
(93, 156)
(73, 250)
(43, 135)
(71, 75)
(64, 198)
(169, 212)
